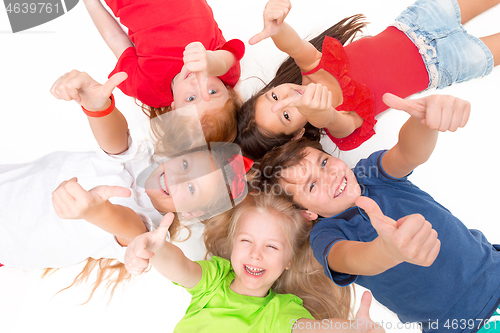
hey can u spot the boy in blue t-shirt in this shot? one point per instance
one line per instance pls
(384, 233)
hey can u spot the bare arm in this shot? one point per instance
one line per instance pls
(344, 124)
(167, 258)
(112, 33)
(110, 131)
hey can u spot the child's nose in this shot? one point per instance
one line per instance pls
(255, 253)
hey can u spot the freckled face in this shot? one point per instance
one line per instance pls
(321, 183)
(260, 254)
(186, 91)
(184, 184)
(287, 120)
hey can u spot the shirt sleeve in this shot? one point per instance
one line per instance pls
(237, 48)
(214, 272)
(289, 314)
(322, 239)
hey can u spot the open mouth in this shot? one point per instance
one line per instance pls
(163, 183)
(299, 92)
(254, 270)
(341, 187)
(188, 74)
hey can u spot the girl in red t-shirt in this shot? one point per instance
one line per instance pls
(175, 55)
(323, 85)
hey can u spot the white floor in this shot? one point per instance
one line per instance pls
(461, 173)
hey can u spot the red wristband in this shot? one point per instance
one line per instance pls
(98, 114)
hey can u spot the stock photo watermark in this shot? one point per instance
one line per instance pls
(26, 14)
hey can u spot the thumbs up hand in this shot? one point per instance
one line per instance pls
(84, 90)
(438, 112)
(274, 16)
(144, 246)
(409, 239)
(71, 201)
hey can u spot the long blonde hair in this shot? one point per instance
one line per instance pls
(306, 278)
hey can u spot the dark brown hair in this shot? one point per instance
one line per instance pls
(255, 141)
(267, 177)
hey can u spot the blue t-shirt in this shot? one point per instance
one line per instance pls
(462, 286)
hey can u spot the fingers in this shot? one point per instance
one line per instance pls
(105, 192)
(274, 16)
(417, 240)
(66, 87)
(113, 82)
(160, 234)
(137, 256)
(195, 60)
(377, 217)
(364, 308)
(413, 107)
(69, 198)
(203, 84)
(266, 33)
(447, 113)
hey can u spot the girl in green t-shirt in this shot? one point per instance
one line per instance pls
(264, 241)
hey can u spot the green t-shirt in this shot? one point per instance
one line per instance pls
(215, 307)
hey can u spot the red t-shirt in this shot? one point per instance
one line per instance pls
(160, 30)
(368, 68)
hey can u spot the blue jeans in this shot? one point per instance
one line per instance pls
(450, 54)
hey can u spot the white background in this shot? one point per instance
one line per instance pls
(461, 174)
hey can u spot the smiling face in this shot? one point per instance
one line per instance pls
(186, 91)
(260, 253)
(321, 183)
(185, 184)
(287, 120)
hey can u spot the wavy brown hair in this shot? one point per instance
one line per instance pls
(255, 141)
(306, 278)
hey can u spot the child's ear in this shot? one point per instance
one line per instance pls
(299, 134)
(172, 105)
(192, 215)
(289, 265)
(308, 215)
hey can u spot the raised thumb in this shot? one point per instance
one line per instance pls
(379, 221)
(160, 234)
(113, 82)
(364, 308)
(106, 192)
(409, 106)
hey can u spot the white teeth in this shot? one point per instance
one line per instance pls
(162, 183)
(298, 92)
(342, 187)
(254, 270)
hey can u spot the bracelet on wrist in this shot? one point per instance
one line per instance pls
(102, 113)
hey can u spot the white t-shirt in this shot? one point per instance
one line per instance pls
(31, 233)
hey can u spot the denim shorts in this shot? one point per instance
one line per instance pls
(450, 54)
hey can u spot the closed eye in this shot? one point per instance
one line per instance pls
(272, 247)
